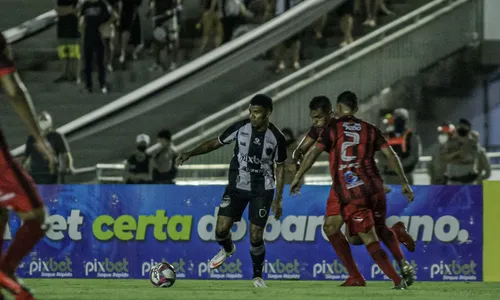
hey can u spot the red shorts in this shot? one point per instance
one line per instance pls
(333, 207)
(363, 214)
(17, 190)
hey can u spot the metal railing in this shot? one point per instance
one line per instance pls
(30, 27)
(280, 89)
(206, 67)
(314, 178)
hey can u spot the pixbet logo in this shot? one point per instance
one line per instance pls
(107, 268)
(335, 270)
(352, 126)
(51, 268)
(179, 266)
(282, 270)
(454, 271)
(230, 270)
(377, 271)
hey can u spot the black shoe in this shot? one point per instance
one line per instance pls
(401, 286)
(408, 273)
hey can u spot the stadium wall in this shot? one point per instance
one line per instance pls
(120, 231)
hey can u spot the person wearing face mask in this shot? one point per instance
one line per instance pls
(461, 153)
(164, 169)
(437, 166)
(139, 166)
(405, 142)
(40, 168)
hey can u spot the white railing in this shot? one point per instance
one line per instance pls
(29, 27)
(254, 37)
(378, 35)
(100, 168)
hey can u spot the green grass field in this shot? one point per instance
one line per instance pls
(101, 289)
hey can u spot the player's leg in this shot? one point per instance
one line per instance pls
(331, 227)
(389, 237)
(230, 210)
(258, 213)
(360, 221)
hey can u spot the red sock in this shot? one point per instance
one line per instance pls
(343, 251)
(28, 235)
(390, 240)
(382, 260)
(11, 285)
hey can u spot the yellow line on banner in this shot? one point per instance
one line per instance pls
(491, 236)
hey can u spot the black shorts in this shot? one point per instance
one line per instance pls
(67, 27)
(346, 8)
(234, 203)
(127, 18)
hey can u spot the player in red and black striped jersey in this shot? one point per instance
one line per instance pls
(351, 144)
(17, 189)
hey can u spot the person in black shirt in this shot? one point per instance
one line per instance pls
(94, 14)
(129, 12)
(166, 30)
(68, 39)
(139, 167)
(164, 170)
(38, 166)
(259, 145)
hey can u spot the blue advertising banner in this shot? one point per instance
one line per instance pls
(120, 231)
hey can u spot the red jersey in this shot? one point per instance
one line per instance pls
(6, 64)
(352, 144)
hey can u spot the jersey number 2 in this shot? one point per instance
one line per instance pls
(354, 136)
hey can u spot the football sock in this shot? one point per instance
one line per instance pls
(343, 251)
(258, 254)
(224, 239)
(11, 285)
(390, 240)
(382, 260)
(28, 235)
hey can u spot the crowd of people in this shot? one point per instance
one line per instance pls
(104, 34)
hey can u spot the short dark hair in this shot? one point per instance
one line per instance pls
(348, 99)
(164, 134)
(262, 100)
(464, 121)
(320, 102)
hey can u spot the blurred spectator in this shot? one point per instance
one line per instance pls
(108, 33)
(461, 153)
(36, 163)
(138, 168)
(164, 170)
(94, 14)
(231, 14)
(437, 166)
(483, 166)
(68, 37)
(318, 31)
(293, 42)
(129, 11)
(372, 9)
(345, 12)
(165, 32)
(406, 143)
(211, 25)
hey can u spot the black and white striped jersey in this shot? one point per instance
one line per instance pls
(255, 153)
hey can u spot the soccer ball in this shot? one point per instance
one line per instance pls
(162, 275)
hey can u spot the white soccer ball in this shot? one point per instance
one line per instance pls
(162, 275)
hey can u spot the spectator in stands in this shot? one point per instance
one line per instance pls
(165, 32)
(461, 153)
(231, 14)
(318, 31)
(164, 169)
(406, 143)
(129, 11)
(345, 12)
(483, 163)
(372, 9)
(293, 42)
(211, 25)
(94, 14)
(35, 162)
(437, 166)
(139, 166)
(68, 37)
(108, 33)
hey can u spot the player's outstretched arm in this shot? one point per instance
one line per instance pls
(394, 164)
(305, 144)
(309, 159)
(204, 148)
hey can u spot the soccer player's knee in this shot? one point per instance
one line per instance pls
(330, 228)
(223, 225)
(256, 235)
(257, 248)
